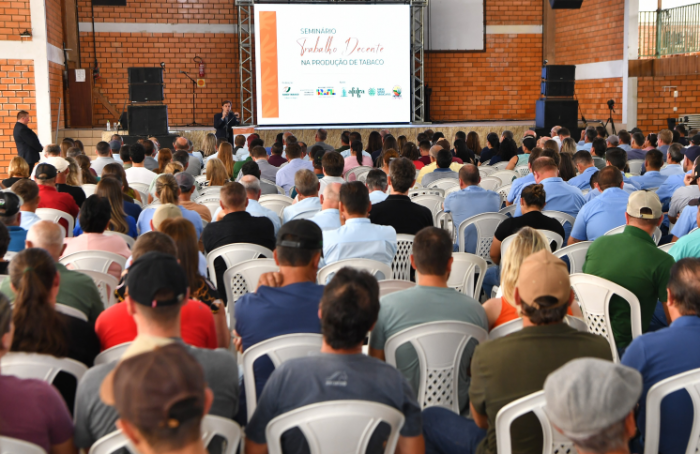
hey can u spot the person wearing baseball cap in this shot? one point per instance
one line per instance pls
(156, 291)
(511, 367)
(49, 196)
(11, 217)
(632, 260)
(163, 212)
(62, 171)
(693, 151)
(187, 188)
(592, 402)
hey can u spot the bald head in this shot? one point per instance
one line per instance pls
(46, 235)
(434, 150)
(181, 143)
(331, 196)
(252, 186)
(469, 175)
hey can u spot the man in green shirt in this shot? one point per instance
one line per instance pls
(633, 261)
(77, 290)
(506, 369)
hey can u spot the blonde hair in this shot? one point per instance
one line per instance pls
(225, 155)
(18, 167)
(216, 172)
(568, 145)
(527, 241)
(209, 146)
(75, 175)
(173, 167)
(167, 189)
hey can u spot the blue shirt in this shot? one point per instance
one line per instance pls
(560, 197)
(132, 209)
(469, 202)
(584, 146)
(628, 180)
(28, 219)
(359, 238)
(651, 179)
(376, 197)
(78, 230)
(635, 153)
(666, 190)
(583, 180)
(302, 206)
(327, 219)
(601, 214)
(672, 169)
(660, 355)
(592, 194)
(144, 222)
(285, 176)
(17, 238)
(257, 210)
(686, 222)
(625, 147)
(517, 187)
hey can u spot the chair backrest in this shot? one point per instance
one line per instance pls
(451, 189)
(444, 183)
(522, 170)
(503, 192)
(594, 294)
(553, 440)
(143, 189)
(14, 446)
(402, 260)
(416, 192)
(465, 267)
(563, 218)
(127, 239)
(89, 189)
(40, 367)
(552, 236)
(209, 198)
(93, 260)
(275, 202)
(280, 190)
(656, 236)
(359, 174)
(500, 165)
(49, 214)
(439, 346)
(201, 179)
(506, 176)
(432, 202)
(490, 183)
(106, 284)
(508, 211)
(9, 255)
(243, 278)
(71, 311)
(635, 166)
(517, 324)
(486, 170)
(486, 225)
(337, 426)
(279, 349)
(212, 191)
(390, 286)
(372, 266)
(211, 205)
(689, 381)
(305, 214)
(444, 221)
(111, 354)
(233, 254)
(666, 247)
(576, 254)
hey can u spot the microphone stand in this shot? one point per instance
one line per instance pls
(194, 88)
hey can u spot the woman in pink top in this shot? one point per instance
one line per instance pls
(356, 159)
(95, 215)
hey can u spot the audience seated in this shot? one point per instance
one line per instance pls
(111, 189)
(398, 210)
(216, 173)
(585, 167)
(529, 143)
(653, 178)
(104, 157)
(586, 142)
(688, 246)
(443, 160)
(632, 260)
(674, 160)
(625, 138)
(267, 170)
(514, 366)
(149, 162)
(49, 197)
(253, 192)
(377, 184)
(358, 238)
(11, 218)
(673, 182)
(4, 243)
(168, 191)
(356, 157)
(306, 185)
(286, 175)
(617, 157)
(28, 192)
(129, 195)
(684, 195)
(138, 173)
(156, 289)
(187, 187)
(276, 159)
(329, 216)
(251, 168)
(430, 167)
(430, 301)
(194, 163)
(518, 184)
(17, 170)
(62, 171)
(598, 148)
(333, 164)
(342, 372)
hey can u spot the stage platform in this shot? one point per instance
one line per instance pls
(306, 134)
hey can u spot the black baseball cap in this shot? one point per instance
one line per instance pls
(152, 273)
(45, 171)
(9, 203)
(300, 234)
(695, 139)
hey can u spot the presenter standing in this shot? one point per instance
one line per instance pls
(28, 145)
(224, 121)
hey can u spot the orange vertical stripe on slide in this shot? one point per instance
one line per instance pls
(268, 64)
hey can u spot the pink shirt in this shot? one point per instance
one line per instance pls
(351, 162)
(99, 242)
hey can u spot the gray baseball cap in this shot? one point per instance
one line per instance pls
(587, 395)
(185, 181)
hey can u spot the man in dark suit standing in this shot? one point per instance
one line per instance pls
(28, 145)
(224, 121)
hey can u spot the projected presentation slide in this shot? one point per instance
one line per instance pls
(332, 64)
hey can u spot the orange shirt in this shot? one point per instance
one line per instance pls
(508, 313)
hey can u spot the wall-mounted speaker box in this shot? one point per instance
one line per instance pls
(556, 112)
(148, 120)
(559, 72)
(566, 4)
(145, 75)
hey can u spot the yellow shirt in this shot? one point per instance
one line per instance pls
(432, 166)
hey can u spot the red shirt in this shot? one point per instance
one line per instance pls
(115, 326)
(49, 197)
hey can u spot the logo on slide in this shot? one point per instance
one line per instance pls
(344, 94)
(325, 92)
(286, 89)
(396, 91)
(356, 92)
(372, 92)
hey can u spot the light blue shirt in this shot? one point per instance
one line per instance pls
(377, 196)
(584, 146)
(302, 206)
(28, 219)
(630, 181)
(583, 180)
(327, 219)
(625, 147)
(686, 222)
(469, 202)
(144, 222)
(257, 210)
(560, 197)
(672, 169)
(688, 246)
(666, 190)
(285, 176)
(347, 153)
(651, 179)
(592, 194)
(603, 213)
(199, 156)
(359, 238)
(517, 187)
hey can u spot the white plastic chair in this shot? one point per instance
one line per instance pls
(490, 183)
(210, 198)
(486, 170)
(212, 206)
(486, 225)
(617, 230)
(389, 286)
(444, 221)
(201, 180)
(9, 255)
(666, 247)
(276, 202)
(233, 254)
(594, 294)
(279, 349)
(127, 239)
(417, 192)
(560, 216)
(40, 367)
(359, 173)
(439, 346)
(402, 260)
(106, 284)
(452, 189)
(99, 261)
(432, 202)
(553, 440)
(337, 426)
(503, 192)
(49, 214)
(689, 381)
(371, 266)
(89, 189)
(243, 278)
(463, 274)
(508, 211)
(211, 191)
(506, 176)
(111, 354)
(143, 189)
(15, 446)
(635, 166)
(500, 165)
(522, 170)
(576, 254)
(71, 311)
(444, 183)
(517, 324)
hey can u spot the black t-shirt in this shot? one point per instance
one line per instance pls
(10, 181)
(4, 268)
(76, 192)
(533, 219)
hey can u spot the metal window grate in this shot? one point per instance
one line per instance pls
(670, 31)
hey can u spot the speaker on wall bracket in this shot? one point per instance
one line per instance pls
(566, 4)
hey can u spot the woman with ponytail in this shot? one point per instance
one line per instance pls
(168, 191)
(356, 158)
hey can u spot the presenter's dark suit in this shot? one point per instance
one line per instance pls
(28, 145)
(222, 130)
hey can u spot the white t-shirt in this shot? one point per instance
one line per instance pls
(139, 175)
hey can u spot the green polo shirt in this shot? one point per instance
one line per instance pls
(632, 260)
(506, 369)
(77, 290)
(238, 165)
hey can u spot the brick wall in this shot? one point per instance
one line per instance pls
(593, 96)
(54, 23)
(165, 11)
(513, 12)
(14, 19)
(56, 89)
(16, 93)
(654, 105)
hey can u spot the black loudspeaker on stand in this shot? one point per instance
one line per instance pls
(557, 107)
(148, 120)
